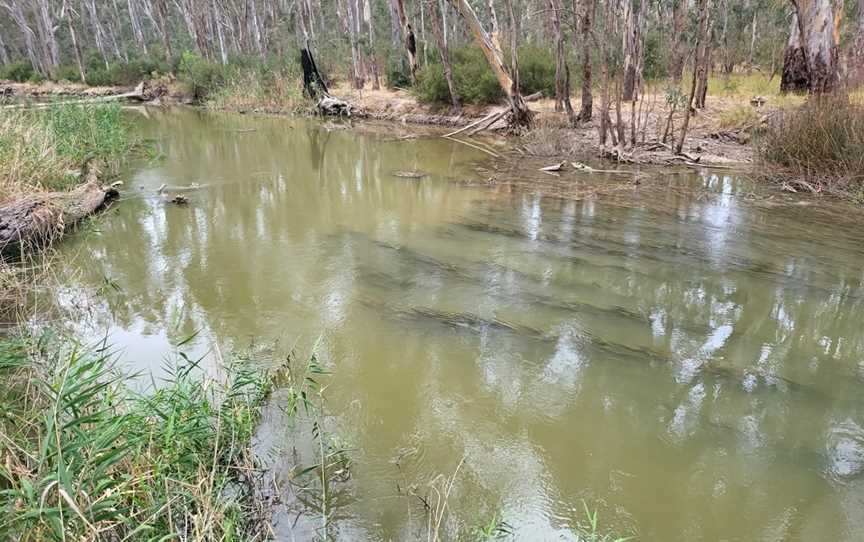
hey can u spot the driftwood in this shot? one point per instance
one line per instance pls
(139, 94)
(333, 107)
(38, 219)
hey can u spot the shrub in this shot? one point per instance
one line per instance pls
(20, 71)
(398, 75)
(202, 75)
(477, 83)
(818, 146)
(536, 70)
(431, 86)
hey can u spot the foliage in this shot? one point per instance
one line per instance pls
(475, 80)
(86, 455)
(39, 147)
(818, 146)
(536, 70)
(398, 74)
(19, 71)
(495, 528)
(472, 76)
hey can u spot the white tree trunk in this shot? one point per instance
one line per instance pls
(819, 30)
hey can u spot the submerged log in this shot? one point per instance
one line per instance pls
(39, 219)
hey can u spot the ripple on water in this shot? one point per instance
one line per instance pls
(845, 450)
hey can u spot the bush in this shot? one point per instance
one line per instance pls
(202, 75)
(398, 74)
(431, 86)
(475, 80)
(536, 71)
(20, 71)
(818, 146)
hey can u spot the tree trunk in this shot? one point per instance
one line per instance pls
(562, 73)
(69, 14)
(587, 20)
(630, 48)
(4, 54)
(520, 115)
(17, 12)
(407, 36)
(160, 9)
(35, 220)
(313, 83)
(701, 38)
(370, 25)
(819, 35)
(137, 29)
(796, 75)
(706, 62)
(432, 9)
(47, 32)
(676, 60)
(858, 52)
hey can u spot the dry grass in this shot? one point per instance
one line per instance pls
(818, 147)
(249, 90)
(29, 161)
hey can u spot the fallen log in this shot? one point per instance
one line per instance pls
(138, 94)
(39, 219)
(495, 115)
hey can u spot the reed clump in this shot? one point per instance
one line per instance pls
(818, 147)
(42, 149)
(87, 458)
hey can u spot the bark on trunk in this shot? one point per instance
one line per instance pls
(587, 19)
(432, 9)
(562, 72)
(796, 75)
(676, 61)
(702, 37)
(408, 39)
(632, 47)
(35, 220)
(69, 14)
(520, 115)
(313, 83)
(819, 34)
(4, 55)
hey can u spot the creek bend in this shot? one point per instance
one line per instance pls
(691, 369)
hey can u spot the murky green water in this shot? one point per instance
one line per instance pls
(689, 364)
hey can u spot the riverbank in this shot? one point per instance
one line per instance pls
(718, 134)
(85, 456)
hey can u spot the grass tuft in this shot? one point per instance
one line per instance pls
(86, 458)
(818, 147)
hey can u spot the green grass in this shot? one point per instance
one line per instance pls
(42, 148)
(86, 458)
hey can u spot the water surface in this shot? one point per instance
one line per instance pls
(683, 360)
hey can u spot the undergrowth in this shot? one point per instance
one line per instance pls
(818, 147)
(87, 458)
(42, 149)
